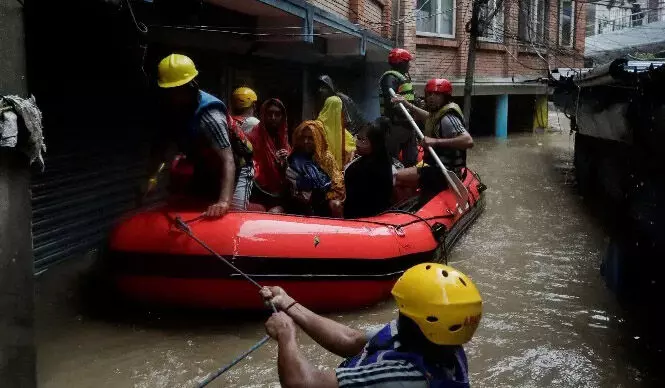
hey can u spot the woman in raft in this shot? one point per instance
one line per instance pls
(369, 179)
(340, 141)
(317, 184)
(271, 147)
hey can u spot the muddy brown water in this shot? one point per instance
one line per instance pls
(534, 254)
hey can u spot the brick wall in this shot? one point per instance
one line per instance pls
(337, 7)
(506, 59)
(407, 29)
(580, 30)
(491, 63)
(373, 15)
(528, 63)
(434, 62)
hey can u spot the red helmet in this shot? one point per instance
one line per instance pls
(398, 56)
(439, 85)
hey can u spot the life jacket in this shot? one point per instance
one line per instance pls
(238, 120)
(246, 124)
(241, 146)
(385, 346)
(405, 89)
(453, 159)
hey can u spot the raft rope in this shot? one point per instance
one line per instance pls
(230, 365)
(180, 224)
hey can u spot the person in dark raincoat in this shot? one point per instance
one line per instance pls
(353, 118)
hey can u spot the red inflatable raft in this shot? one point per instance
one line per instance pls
(326, 264)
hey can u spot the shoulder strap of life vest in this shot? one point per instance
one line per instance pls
(385, 346)
(405, 89)
(242, 147)
(432, 122)
(395, 73)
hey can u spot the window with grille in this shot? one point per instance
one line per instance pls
(566, 23)
(435, 17)
(532, 20)
(493, 29)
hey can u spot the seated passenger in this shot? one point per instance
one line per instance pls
(243, 107)
(340, 141)
(369, 178)
(317, 184)
(271, 148)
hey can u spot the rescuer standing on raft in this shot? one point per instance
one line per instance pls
(401, 137)
(204, 130)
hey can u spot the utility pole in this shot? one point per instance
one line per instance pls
(474, 27)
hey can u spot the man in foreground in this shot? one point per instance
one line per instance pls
(439, 310)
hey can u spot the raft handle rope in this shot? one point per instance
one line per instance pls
(180, 224)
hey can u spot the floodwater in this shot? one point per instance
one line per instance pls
(534, 254)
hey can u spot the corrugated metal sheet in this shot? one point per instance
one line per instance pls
(78, 198)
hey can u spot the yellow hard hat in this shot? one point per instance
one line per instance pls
(176, 70)
(443, 302)
(244, 97)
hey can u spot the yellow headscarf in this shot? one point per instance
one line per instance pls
(340, 141)
(322, 157)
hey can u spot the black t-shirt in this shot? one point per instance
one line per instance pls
(369, 186)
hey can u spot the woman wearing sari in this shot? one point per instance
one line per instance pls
(271, 147)
(340, 141)
(317, 183)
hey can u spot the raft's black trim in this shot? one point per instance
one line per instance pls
(304, 269)
(209, 267)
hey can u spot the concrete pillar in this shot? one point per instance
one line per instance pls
(17, 349)
(501, 123)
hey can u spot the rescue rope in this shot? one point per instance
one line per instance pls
(230, 365)
(180, 224)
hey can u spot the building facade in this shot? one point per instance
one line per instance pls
(624, 28)
(521, 42)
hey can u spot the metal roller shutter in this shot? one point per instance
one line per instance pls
(78, 198)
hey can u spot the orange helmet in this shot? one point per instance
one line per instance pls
(398, 55)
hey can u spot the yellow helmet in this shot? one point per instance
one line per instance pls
(176, 70)
(443, 302)
(244, 97)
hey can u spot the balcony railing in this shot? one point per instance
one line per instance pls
(603, 25)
